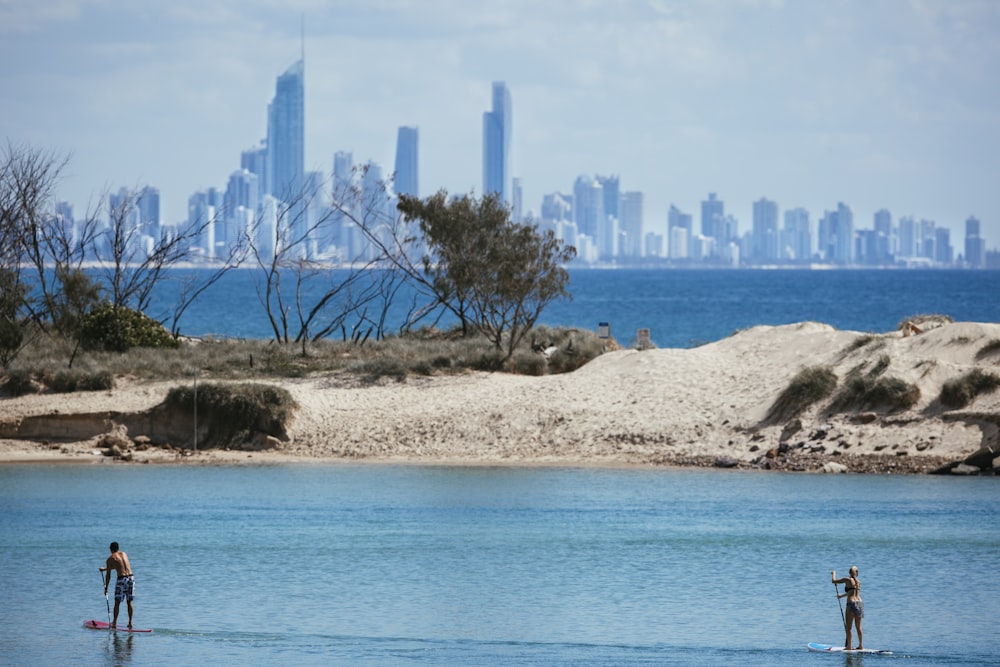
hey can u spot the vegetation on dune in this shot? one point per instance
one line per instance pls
(809, 386)
(870, 390)
(235, 412)
(961, 391)
(426, 352)
(990, 349)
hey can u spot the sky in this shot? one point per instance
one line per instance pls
(877, 104)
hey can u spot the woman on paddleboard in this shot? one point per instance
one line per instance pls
(855, 607)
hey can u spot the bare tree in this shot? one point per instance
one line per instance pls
(312, 286)
(137, 257)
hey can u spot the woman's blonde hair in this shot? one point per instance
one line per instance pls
(853, 571)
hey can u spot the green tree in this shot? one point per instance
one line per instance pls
(495, 275)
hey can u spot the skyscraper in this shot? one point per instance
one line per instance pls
(630, 212)
(286, 135)
(713, 221)
(975, 246)
(765, 230)
(496, 143)
(406, 162)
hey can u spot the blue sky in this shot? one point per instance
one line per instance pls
(886, 103)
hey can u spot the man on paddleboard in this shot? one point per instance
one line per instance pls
(124, 584)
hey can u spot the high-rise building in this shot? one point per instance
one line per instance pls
(843, 235)
(286, 135)
(611, 187)
(797, 236)
(907, 237)
(765, 230)
(975, 245)
(496, 144)
(677, 219)
(405, 182)
(588, 206)
(943, 252)
(254, 160)
(630, 209)
(713, 221)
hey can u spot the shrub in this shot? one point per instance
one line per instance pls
(880, 366)
(373, 370)
(960, 392)
(68, 381)
(20, 383)
(527, 363)
(234, 412)
(491, 362)
(120, 329)
(860, 342)
(865, 392)
(807, 387)
(926, 321)
(991, 348)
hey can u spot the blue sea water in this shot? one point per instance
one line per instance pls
(681, 308)
(392, 565)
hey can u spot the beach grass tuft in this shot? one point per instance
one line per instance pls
(990, 349)
(871, 392)
(809, 386)
(961, 391)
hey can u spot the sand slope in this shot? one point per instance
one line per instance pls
(627, 407)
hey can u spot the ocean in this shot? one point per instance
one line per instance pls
(346, 564)
(351, 564)
(681, 308)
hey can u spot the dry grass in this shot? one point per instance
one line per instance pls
(44, 364)
(809, 386)
(961, 391)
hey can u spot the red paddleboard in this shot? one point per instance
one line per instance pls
(104, 625)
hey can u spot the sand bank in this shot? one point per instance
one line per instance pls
(700, 406)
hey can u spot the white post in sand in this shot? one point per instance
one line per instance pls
(196, 409)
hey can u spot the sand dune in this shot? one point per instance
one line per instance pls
(705, 406)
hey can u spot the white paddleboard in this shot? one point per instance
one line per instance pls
(829, 648)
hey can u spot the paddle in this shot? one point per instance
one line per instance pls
(841, 605)
(107, 603)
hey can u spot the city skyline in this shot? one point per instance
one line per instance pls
(881, 107)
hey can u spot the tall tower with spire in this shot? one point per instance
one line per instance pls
(496, 144)
(286, 134)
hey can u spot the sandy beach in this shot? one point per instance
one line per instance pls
(703, 406)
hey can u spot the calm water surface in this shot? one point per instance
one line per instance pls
(681, 308)
(383, 565)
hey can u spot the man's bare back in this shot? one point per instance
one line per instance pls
(118, 561)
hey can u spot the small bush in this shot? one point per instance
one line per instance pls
(490, 362)
(68, 381)
(527, 363)
(373, 370)
(121, 329)
(860, 342)
(807, 387)
(960, 392)
(864, 392)
(990, 349)
(880, 366)
(234, 412)
(20, 383)
(926, 321)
